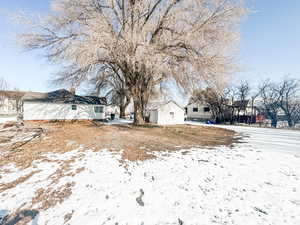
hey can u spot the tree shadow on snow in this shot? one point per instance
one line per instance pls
(21, 216)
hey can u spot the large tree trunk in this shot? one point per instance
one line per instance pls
(138, 112)
(122, 108)
(122, 111)
(140, 93)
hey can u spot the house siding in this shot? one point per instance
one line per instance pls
(200, 115)
(60, 111)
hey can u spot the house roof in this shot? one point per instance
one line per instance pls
(156, 105)
(63, 96)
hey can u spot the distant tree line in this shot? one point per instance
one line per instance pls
(283, 96)
(276, 100)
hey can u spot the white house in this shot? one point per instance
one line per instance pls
(198, 111)
(167, 113)
(62, 105)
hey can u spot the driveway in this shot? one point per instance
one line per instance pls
(268, 139)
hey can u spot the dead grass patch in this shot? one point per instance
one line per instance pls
(47, 198)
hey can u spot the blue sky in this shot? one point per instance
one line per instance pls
(269, 48)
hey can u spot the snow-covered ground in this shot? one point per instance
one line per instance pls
(255, 182)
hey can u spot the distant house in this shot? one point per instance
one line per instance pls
(62, 105)
(198, 111)
(245, 111)
(166, 113)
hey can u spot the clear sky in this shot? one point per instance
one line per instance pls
(270, 45)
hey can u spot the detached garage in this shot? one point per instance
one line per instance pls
(62, 105)
(168, 113)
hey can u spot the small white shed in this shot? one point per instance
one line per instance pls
(62, 105)
(167, 113)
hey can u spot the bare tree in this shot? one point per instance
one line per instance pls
(231, 93)
(288, 90)
(150, 41)
(254, 108)
(243, 90)
(296, 115)
(270, 101)
(242, 93)
(17, 95)
(111, 84)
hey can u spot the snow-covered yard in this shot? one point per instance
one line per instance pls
(255, 182)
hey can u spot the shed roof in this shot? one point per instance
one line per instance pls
(63, 96)
(157, 105)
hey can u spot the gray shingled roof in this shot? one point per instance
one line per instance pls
(63, 96)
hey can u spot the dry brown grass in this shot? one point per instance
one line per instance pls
(137, 143)
(48, 198)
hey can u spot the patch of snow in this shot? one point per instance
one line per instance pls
(13, 198)
(119, 121)
(4, 119)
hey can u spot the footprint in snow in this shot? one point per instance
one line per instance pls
(139, 199)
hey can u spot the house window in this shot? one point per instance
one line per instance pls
(74, 107)
(172, 114)
(206, 109)
(98, 109)
(195, 109)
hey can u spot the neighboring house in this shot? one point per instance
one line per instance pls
(165, 113)
(198, 111)
(62, 105)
